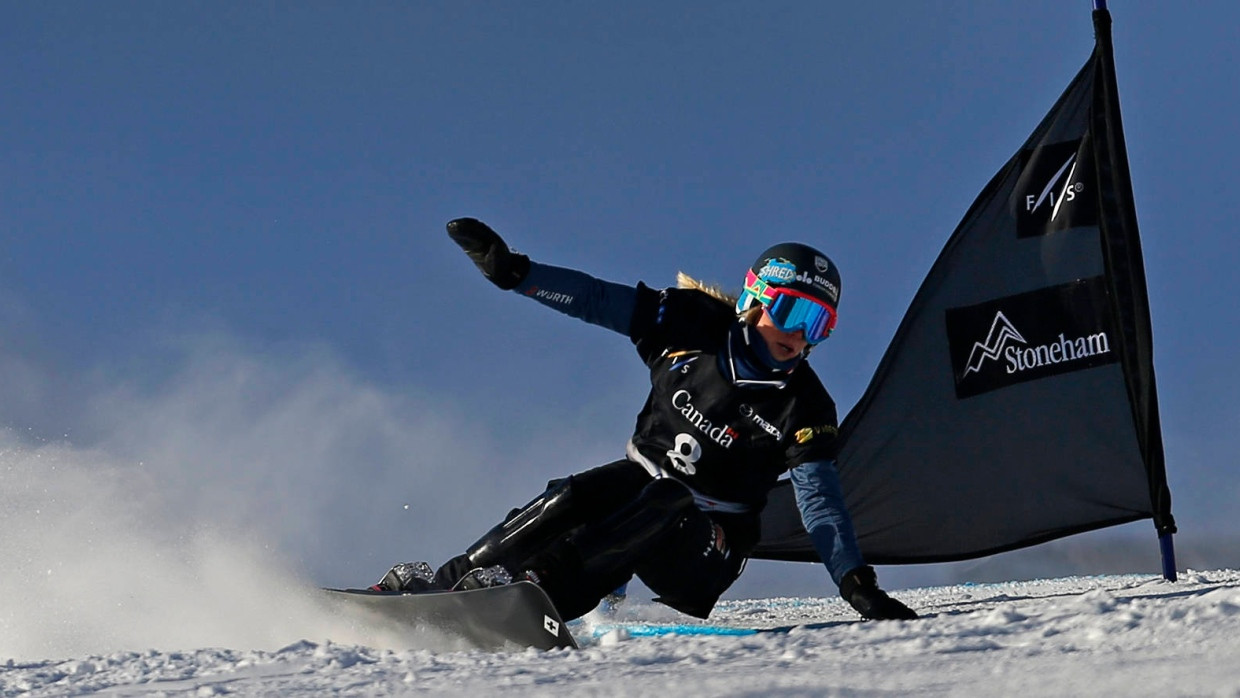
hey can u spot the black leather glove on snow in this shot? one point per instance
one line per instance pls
(488, 251)
(860, 589)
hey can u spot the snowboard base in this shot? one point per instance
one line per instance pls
(517, 615)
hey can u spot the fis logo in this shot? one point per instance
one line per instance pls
(682, 359)
(1060, 182)
(1053, 192)
(1063, 328)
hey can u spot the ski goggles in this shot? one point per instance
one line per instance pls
(792, 310)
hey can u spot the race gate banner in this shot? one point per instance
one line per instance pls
(1016, 403)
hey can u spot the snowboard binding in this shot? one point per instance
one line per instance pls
(407, 577)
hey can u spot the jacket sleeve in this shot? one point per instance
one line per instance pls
(582, 296)
(816, 486)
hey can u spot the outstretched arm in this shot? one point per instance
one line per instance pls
(580, 295)
(571, 292)
(820, 499)
(821, 502)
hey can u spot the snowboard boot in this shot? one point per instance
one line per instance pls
(407, 577)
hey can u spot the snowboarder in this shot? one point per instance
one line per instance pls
(733, 405)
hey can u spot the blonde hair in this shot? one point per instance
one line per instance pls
(717, 292)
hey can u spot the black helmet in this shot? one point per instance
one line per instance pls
(793, 270)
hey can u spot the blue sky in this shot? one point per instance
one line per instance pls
(223, 247)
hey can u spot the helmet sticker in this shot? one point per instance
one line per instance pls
(780, 271)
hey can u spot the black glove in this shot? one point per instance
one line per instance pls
(488, 251)
(860, 589)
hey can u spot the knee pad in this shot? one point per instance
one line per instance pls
(525, 530)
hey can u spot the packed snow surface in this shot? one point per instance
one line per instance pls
(1132, 635)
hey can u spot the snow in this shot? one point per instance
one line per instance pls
(1132, 635)
(181, 574)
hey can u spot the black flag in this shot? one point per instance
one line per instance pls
(1016, 403)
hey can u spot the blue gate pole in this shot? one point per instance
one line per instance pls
(1165, 545)
(1167, 548)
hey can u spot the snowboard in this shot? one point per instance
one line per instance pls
(517, 615)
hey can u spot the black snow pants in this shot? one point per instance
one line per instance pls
(616, 527)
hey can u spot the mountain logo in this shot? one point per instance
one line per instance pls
(1001, 330)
